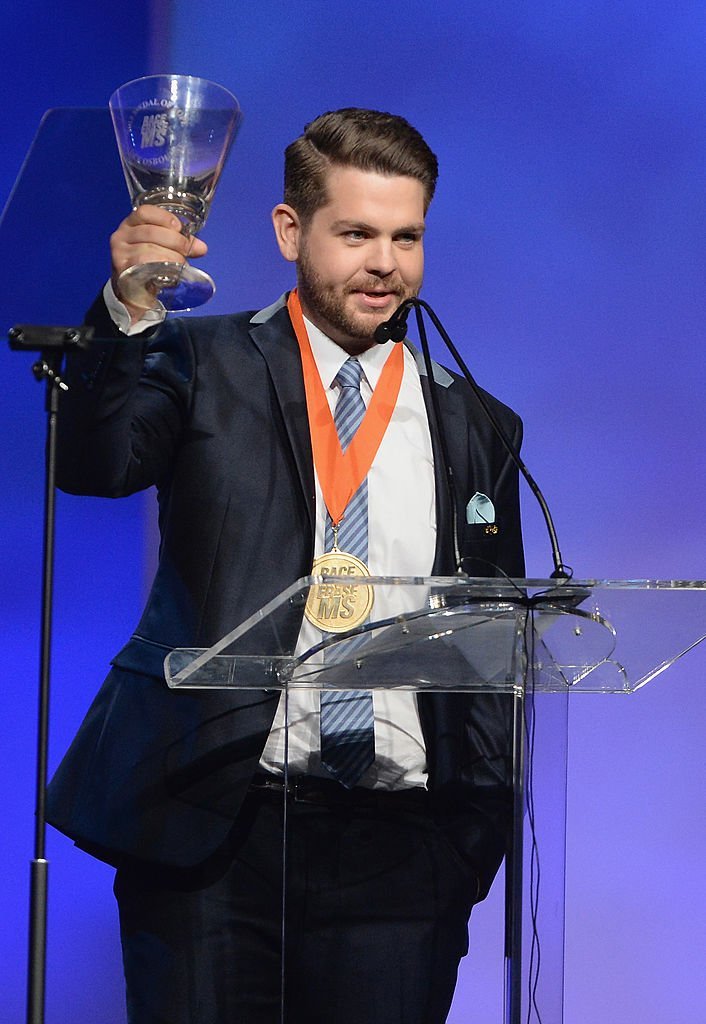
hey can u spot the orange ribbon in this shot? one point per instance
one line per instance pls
(341, 473)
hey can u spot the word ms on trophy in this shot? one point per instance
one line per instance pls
(174, 133)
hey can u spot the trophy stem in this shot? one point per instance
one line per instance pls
(189, 208)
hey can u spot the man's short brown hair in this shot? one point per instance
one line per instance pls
(368, 140)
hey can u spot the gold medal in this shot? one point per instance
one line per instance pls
(338, 607)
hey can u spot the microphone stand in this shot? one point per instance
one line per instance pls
(51, 343)
(395, 329)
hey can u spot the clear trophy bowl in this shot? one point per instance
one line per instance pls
(174, 133)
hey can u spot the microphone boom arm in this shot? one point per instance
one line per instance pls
(395, 329)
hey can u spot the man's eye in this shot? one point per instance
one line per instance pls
(355, 236)
(407, 239)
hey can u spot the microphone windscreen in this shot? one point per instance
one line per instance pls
(398, 331)
(383, 332)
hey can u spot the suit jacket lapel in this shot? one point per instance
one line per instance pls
(277, 344)
(454, 427)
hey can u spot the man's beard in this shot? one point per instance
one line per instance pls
(329, 305)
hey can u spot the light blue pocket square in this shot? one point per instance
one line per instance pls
(480, 509)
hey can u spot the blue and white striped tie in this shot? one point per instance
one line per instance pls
(347, 721)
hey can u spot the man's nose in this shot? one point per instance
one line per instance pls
(381, 259)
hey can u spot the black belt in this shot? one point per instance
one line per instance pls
(309, 789)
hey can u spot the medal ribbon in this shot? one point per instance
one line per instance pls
(341, 473)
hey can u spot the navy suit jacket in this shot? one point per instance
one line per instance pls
(212, 411)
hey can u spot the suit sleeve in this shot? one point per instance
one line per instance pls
(128, 399)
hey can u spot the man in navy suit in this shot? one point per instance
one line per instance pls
(183, 791)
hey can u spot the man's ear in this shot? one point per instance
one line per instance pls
(285, 221)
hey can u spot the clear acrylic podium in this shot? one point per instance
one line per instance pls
(536, 640)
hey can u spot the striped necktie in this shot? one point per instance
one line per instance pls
(347, 722)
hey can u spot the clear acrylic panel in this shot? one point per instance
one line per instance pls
(538, 640)
(68, 197)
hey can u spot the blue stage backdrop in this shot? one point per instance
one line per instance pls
(565, 256)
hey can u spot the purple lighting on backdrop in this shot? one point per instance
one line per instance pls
(565, 256)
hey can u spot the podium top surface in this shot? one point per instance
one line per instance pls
(456, 633)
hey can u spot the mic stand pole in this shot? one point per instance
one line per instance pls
(51, 343)
(514, 869)
(394, 330)
(561, 571)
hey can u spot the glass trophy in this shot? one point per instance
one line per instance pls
(174, 133)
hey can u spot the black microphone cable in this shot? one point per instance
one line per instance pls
(395, 329)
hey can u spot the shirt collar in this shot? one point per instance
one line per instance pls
(330, 357)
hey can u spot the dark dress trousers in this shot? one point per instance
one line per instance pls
(212, 411)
